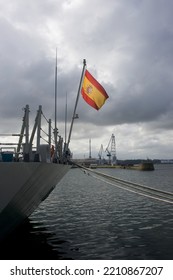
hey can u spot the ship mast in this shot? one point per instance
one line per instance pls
(55, 129)
(66, 118)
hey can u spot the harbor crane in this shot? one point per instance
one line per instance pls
(111, 150)
(100, 154)
(100, 151)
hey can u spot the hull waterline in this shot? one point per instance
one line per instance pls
(23, 187)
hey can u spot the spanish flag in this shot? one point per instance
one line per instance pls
(93, 93)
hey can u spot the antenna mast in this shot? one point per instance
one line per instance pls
(56, 130)
(66, 119)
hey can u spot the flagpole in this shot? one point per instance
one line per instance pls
(77, 99)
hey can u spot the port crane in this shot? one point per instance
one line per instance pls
(100, 151)
(100, 154)
(111, 150)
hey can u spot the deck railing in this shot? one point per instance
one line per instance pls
(35, 146)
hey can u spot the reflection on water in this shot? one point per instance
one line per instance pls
(85, 218)
(27, 242)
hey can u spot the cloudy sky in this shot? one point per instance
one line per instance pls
(128, 46)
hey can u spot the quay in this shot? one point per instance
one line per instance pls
(93, 164)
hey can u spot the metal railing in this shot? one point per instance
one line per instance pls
(37, 145)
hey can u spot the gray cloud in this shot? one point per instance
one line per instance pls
(128, 46)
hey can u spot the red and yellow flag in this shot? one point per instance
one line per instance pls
(93, 93)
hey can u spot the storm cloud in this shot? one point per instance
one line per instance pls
(128, 46)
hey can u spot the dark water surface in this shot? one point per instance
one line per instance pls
(85, 218)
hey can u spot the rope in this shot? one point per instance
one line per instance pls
(132, 187)
(47, 120)
(45, 117)
(44, 139)
(44, 132)
(137, 192)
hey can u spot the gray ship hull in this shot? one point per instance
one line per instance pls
(23, 186)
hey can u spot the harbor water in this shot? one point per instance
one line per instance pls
(86, 218)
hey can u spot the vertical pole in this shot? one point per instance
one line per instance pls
(38, 129)
(49, 133)
(77, 99)
(25, 127)
(26, 155)
(60, 146)
(65, 154)
(66, 119)
(89, 148)
(56, 91)
(56, 130)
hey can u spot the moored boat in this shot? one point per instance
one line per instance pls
(27, 174)
(146, 166)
